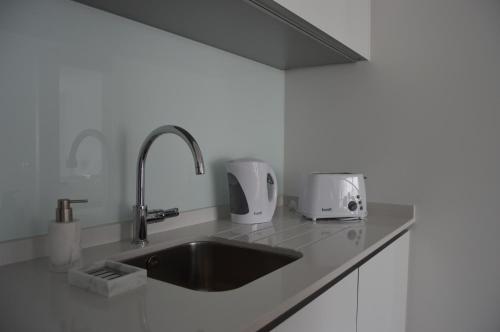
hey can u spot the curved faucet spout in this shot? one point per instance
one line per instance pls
(140, 229)
(143, 153)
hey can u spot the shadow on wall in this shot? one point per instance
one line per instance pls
(123, 209)
(219, 180)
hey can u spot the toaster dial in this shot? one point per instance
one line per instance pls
(352, 206)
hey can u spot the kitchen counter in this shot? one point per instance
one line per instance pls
(34, 299)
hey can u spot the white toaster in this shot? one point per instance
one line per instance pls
(333, 195)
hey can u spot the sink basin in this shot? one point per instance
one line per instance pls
(213, 265)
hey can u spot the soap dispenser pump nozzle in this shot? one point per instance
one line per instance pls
(64, 212)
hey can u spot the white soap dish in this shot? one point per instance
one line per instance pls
(108, 278)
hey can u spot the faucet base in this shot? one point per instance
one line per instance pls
(140, 237)
(140, 243)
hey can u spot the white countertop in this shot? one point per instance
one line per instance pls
(34, 299)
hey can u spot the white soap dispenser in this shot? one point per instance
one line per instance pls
(64, 237)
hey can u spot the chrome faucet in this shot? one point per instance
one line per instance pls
(142, 217)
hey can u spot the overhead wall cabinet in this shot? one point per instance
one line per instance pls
(348, 21)
(372, 298)
(284, 34)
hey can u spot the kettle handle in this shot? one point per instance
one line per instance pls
(273, 196)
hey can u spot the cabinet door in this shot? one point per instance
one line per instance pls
(332, 311)
(348, 21)
(382, 289)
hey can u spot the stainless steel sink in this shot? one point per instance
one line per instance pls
(213, 265)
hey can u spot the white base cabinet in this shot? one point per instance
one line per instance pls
(383, 282)
(369, 299)
(335, 308)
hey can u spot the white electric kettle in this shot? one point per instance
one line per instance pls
(253, 191)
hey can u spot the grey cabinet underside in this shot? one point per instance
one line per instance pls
(260, 30)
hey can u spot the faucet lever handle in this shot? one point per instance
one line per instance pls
(158, 215)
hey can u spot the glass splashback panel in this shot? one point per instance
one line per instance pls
(80, 89)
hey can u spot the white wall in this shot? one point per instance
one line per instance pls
(422, 120)
(67, 68)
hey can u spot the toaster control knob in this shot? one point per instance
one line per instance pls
(352, 206)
